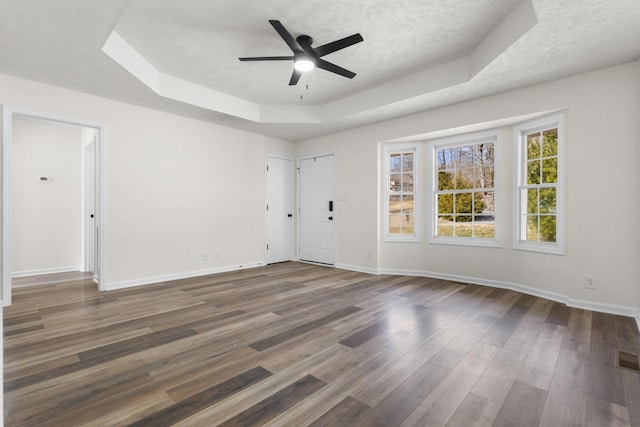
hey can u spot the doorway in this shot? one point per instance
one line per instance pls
(90, 194)
(279, 217)
(317, 209)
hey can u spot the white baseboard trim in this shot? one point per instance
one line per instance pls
(586, 305)
(41, 271)
(357, 268)
(184, 275)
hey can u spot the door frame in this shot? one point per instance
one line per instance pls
(88, 208)
(335, 206)
(8, 114)
(266, 200)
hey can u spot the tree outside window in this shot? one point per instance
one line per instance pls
(465, 190)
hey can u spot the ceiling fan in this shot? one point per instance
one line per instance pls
(305, 57)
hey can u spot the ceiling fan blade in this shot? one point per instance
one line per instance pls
(328, 66)
(328, 48)
(267, 58)
(295, 77)
(286, 36)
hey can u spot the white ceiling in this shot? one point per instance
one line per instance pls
(416, 54)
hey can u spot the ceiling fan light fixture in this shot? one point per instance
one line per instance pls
(304, 64)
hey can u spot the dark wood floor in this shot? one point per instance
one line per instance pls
(296, 344)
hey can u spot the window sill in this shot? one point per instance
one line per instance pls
(545, 248)
(462, 241)
(401, 239)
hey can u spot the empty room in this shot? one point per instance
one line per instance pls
(323, 213)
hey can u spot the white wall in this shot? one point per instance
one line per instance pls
(174, 186)
(46, 228)
(602, 164)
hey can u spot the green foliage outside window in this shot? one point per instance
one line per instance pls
(542, 177)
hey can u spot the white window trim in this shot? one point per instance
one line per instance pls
(559, 247)
(417, 196)
(468, 139)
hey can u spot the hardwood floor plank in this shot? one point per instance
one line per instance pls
(302, 329)
(297, 344)
(540, 364)
(348, 412)
(559, 314)
(195, 403)
(522, 407)
(475, 411)
(440, 405)
(402, 401)
(604, 379)
(280, 401)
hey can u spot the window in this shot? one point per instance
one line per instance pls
(465, 195)
(400, 194)
(539, 189)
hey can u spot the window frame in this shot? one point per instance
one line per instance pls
(459, 141)
(521, 132)
(389, 150)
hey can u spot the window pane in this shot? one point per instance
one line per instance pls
(444, 159)
(533, 172)
(407, 182)
(445, 204)
(408, 225)
(532, 201)
(463, 227)
(395, 223)
(550, 143)
(445, 180)
(463, 203)
(483, 228)
(464, 218)
(532, 228)
(533, 146)
(407, 204)
(395, 162)
(445, 226)
(550, 170)
(455, 156)
(395, 181)
(489, 200)
(395, 204)
(547, 200)
(548, 228)
(464, 179)
(407, 162)
(478, 203)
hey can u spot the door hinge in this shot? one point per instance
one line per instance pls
(267, 207)
(267, 168)
(267, 247)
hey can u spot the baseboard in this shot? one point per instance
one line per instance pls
(357, 268)
(41, 271)
(184, 275)
(586, 305)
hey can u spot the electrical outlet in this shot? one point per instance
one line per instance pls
(590, 282)
(216, 256)
(369, 255)
(205, 257)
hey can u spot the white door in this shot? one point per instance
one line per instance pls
(89, 208)
(317, 211)
(279, 210)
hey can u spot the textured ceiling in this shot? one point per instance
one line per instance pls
(202, 40)
(199, 41)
